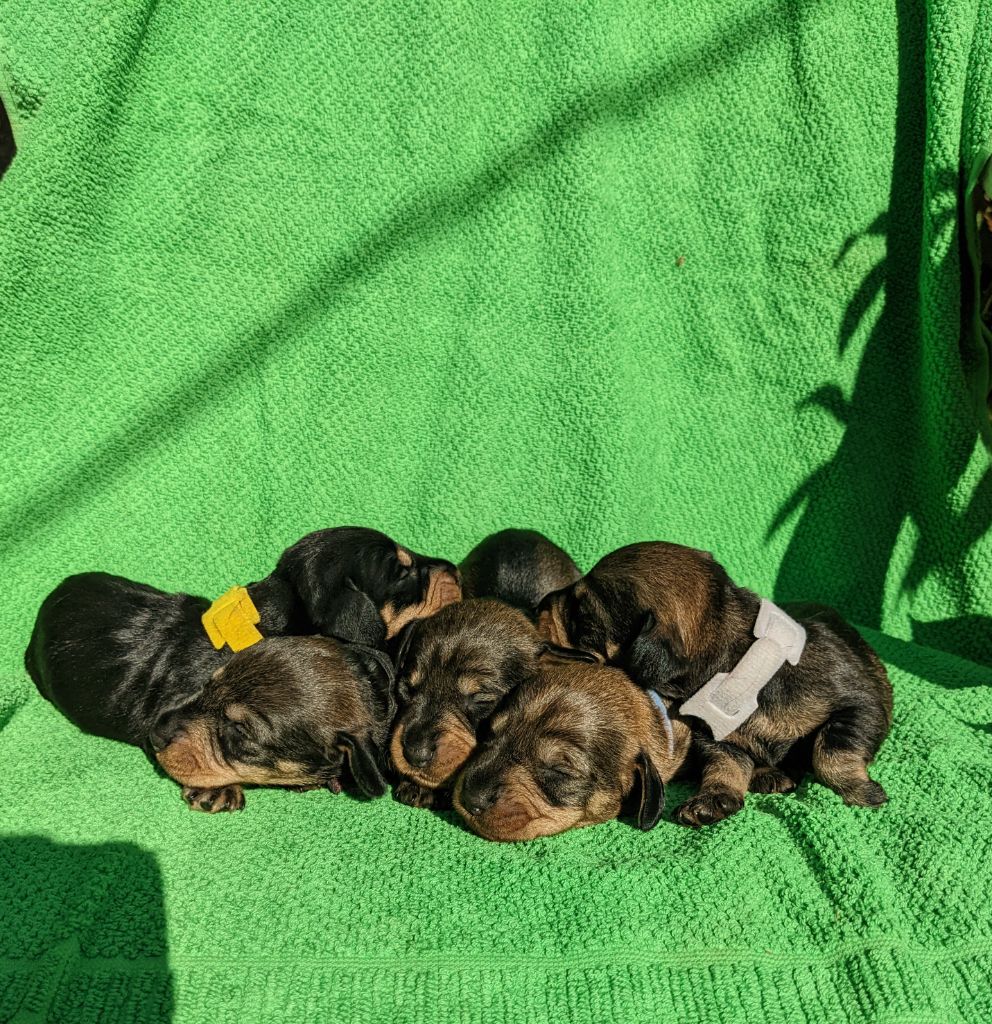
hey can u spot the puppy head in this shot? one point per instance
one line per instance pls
(288, 711)
(352, 581)
(655, 608)
(565, 751)
(453, 669)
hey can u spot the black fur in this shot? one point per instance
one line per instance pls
(115, 656)
(518, 567)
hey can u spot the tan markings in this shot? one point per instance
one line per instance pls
(470, 684)
(577, 698)
(839, 769)
(404, 556)
(789, 722)
(725, 773)
(771, 780)
(672, 580)
(454, 744)
(550, 624)
(443, 588)
(195, 761)
(236, 712)
(521, 812)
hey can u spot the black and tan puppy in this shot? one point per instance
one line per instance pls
(453, 672)
(567, 749)
(287, 711)
(673, 618)
(517, 566)
(115, 656)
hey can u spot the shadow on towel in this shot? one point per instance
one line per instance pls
(429, 215)
(887, 470)
(82, 933)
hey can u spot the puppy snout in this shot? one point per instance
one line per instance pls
(419, 749)
(478, 795)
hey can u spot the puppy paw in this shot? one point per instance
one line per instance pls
(212, 801)
(771, 780)
(413, 795)
(867, 794)
(707, 808)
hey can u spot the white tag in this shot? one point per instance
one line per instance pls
(729, 699)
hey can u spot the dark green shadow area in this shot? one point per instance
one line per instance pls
(887, 468)
(82, 934)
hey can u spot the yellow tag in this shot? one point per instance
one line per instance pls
(231, 620)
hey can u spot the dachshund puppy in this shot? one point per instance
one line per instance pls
(114, 656)
(517, 566)
(567, 749)
(348, 578)
(673, 618)
(481, 640)
(287, 711)
(452, 671)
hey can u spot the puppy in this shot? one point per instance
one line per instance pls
(517, 566)
(566, 750)
(115, 656)
(287, 711)
(672, 617)
(452, 671)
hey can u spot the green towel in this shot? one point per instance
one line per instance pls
(614, 271)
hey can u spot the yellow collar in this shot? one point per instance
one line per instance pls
(232, 619)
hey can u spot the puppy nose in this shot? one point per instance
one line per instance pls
(419, 750)
(479, 795)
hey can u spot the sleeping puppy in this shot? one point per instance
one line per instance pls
(452, 671)
(287, 711)
(114, 656)
(352, 582)
(567, 749)
(517, 566)
(673, 618)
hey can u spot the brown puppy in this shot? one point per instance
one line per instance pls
(286, 711)
(672, 617)
(566, 750)
(454, 670)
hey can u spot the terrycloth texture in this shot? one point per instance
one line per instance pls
(614, 271)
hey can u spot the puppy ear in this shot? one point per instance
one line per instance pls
(655, 658)
(401, 645)
(364, 765)
(570, 653)
(353, 617)
(652, 792)
(375, 666)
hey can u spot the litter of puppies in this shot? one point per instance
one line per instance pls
(530, 697)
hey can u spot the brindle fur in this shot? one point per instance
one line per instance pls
(673, 618)
(566, 749)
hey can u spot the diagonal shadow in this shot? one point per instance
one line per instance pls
(888, 467)
(426, 216)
